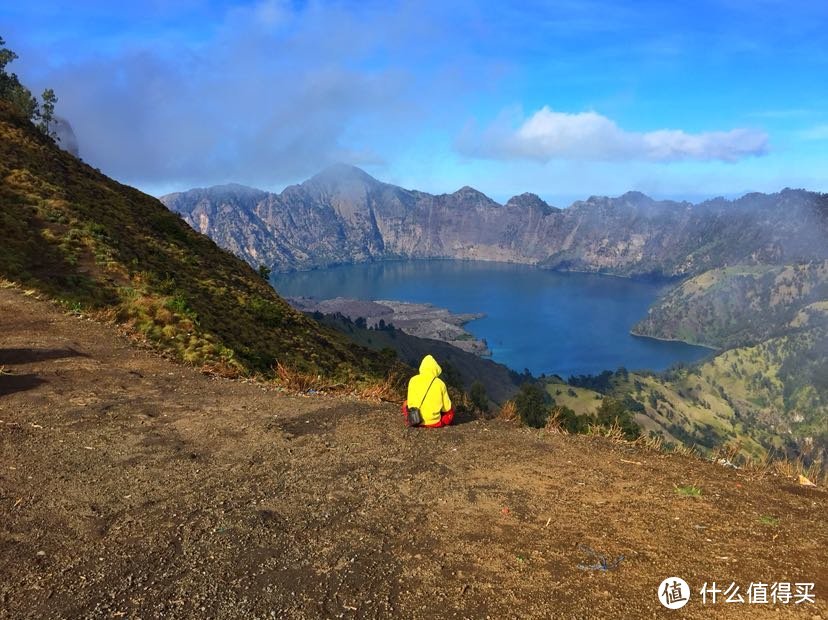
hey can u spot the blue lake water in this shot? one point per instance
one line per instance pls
(548, 322)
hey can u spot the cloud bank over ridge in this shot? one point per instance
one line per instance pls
(549, 134)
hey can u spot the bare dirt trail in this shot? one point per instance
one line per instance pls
(131, 487)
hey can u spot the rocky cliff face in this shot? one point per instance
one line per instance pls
(343, 215)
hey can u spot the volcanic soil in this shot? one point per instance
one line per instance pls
(133, 487)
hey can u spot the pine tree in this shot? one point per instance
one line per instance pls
(47, 112)
(11, 90)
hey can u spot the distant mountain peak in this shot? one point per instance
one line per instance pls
(342, 173)
(529, 200)
(635, 196)
(236, 188)
(469, 193)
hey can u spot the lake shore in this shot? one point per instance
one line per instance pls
(416, 319)
(661, 339)
(545, 321)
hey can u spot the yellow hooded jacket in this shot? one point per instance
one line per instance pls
(437, 400)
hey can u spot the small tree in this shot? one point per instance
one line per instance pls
(569, 421)
(6, 56)
(11, 90)
(613, 411)
(47, 112)
(264, 271)
(532, 405)
(479, 398)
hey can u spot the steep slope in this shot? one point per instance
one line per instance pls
(97, 245)
(343, 215)
(765, 398)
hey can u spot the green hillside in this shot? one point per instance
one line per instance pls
(771, 396)
(737, 305)
(100, 247)
(768, 398)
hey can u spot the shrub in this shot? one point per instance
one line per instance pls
(566, 419)
(613, 412)
(532, 406)
(479, 398)
(508, 411)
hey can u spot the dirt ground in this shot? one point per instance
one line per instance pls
(131, 487)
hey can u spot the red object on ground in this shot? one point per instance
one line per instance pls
(445, 418)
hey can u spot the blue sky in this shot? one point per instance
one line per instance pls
(562, 98)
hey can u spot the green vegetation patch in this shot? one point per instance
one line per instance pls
(688, 491)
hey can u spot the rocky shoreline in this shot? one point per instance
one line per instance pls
(420, 320)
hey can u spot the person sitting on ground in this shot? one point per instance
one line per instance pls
(428, 393)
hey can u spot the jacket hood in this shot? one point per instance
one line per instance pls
(430, 367)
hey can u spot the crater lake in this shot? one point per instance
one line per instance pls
(544, 321)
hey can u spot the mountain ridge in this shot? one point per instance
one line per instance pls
(344, 215)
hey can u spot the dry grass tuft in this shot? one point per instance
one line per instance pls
(295, 380)
(221, 368)
(388, 390)
(769, 465)
(653, 444)
(554, 423)
(508, 411)
(613, 432)
(759, 468)
(691, 451)
(728, 453)
(793, 468)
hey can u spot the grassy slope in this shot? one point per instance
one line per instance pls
(582, 401)
(769, 388)
(770, 396)
(738, 305)
(94, 244)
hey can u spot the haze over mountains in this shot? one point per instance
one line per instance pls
(344, 215)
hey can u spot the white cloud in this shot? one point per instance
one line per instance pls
(548, 135)
(272, 92)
